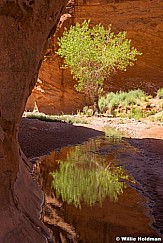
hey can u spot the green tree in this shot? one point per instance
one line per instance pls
(93, 54)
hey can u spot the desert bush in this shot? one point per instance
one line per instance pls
(43, 117)
(160, 93)
(137, 94)
(122, 99)
(136, 113)
(74, 119)
(118, 99)
(102, 103)
(87, 111)
(113, 135)
(157, 117)
(54, 118)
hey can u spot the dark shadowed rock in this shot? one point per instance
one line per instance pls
(25, 28)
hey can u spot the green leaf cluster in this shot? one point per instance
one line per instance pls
(95, 53)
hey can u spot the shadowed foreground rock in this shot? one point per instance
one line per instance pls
(25, 28)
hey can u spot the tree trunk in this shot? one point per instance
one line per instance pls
(96, 98)
(25, 29)
(95, 105)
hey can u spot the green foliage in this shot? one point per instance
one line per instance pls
(87, 111)
(137, 94)
(93, 54)
(124, 104)
(136, 113)
(157, 117)
(113, 100)
(74, 119)
(133, 104)
(54, 118)
(128, 98)
(102, 103)
(113, 135)
(160, 93)
(87, 177)
(43, 117)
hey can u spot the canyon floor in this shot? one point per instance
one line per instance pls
(38, 138)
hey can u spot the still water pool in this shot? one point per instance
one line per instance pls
(89, 197)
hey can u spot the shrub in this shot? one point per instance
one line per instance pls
(136, 113)
(87, 111)
(160, 93)
(121, 99)
(113, 135)
(117, 100)
(157, 117)
(43, 117)
(102, 103)
(137, 94)
(54, 118)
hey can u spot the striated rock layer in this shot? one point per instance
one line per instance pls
(143, 21)
(25, 28)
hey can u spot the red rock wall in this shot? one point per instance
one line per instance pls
(144, 25)
(54, 92)
(25, 28)
(143, 22)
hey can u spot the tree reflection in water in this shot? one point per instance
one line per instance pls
(86, 176)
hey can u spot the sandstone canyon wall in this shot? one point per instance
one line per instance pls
(143, 21)
(54, 92)
(25, 27)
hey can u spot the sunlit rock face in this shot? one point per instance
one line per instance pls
(143, 23)
(54, 92)
(25, 28)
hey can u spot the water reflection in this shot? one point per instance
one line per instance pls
(94, 165)
(88, 176)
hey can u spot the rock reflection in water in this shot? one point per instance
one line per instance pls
(93, 164)
(87, 176)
